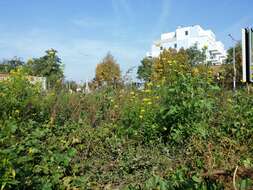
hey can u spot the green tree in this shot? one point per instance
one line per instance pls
(196, 56)
(71, 85)
(108, 71)
(49, 66)
(7, 65)
(145, 69)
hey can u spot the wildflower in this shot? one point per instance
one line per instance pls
(116, 106)
(147, 90)
(30, 150)
(146, 99)
(142, 110)
(150, 84)
(132, 93)
(13, 172)
(141, 116)
(149, 103)
(195, 71)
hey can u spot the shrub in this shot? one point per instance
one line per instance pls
(19, 99)
(184, 107)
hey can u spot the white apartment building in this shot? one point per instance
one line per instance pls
(186, 37)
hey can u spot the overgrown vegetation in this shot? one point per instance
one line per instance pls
(182, 130)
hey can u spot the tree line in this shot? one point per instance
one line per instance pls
(108, 69)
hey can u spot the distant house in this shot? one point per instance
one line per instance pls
(186, 37)
(3, 76)
(40, 80)
(32, 79)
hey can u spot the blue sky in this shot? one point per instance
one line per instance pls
(83, 31)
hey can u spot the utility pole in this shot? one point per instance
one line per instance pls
(234, 77)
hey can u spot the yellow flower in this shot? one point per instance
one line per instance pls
(142, 110)
(30, 150)
(157, 97)
(132, 93)
(149, 103)
(148, 91)
(13, 172)
(150, 84)
(146, 99)
(195, 71)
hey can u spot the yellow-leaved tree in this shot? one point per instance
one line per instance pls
(108, 71)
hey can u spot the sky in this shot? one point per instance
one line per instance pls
(84, 31)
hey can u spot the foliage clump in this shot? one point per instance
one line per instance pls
(108, 71)
(181, 130)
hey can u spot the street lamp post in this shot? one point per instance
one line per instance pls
(234, 66)
(234, 78)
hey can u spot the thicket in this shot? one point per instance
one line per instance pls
(182, 130)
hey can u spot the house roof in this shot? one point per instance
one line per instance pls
(4, 74)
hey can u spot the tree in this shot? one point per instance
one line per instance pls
(108, 71)
(49, 66)
(169, 64)
(71, 85)
(227, 71)
(145, 69)
(195, 56)
(7, 65)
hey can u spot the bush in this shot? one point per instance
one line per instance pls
(19, 99)
(184, 107)
(184, 133)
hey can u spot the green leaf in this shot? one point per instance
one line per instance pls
(72, 152)
(196, 179)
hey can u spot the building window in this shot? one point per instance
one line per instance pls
(186, 33)
(175, 46)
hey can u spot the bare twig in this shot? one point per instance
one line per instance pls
(216, 173)
(234, 182)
